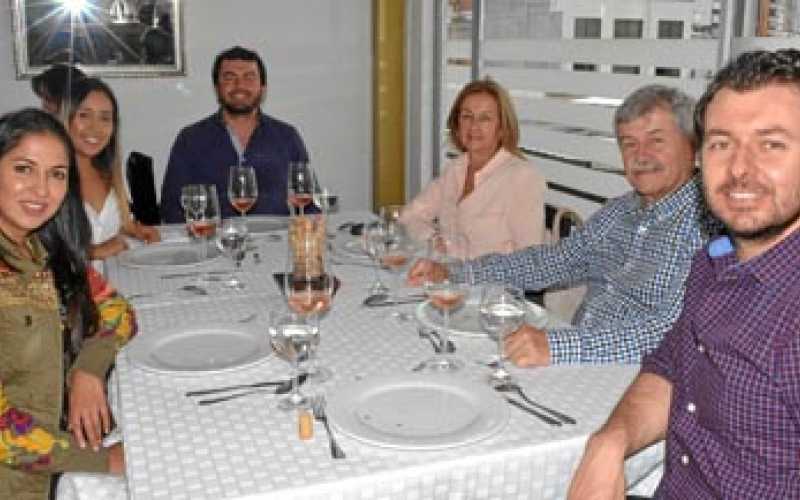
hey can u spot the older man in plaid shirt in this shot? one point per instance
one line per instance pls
(634, 253)
(724, 386)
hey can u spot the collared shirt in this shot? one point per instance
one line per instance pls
(634, 260)
(733, 359)
(503, 213)
(203, 153)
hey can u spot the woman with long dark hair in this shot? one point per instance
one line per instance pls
(59, 321)
(93, 122)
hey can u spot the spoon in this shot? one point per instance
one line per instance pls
(513, 387)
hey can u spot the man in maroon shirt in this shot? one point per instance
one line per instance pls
(723, 387)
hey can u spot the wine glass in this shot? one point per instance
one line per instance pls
(242, 188)
(502, 311)
(203, 218)
(300, 185)
(232, 241)
(448, 295)
(194, 198)
(292, 336)
(374, 241)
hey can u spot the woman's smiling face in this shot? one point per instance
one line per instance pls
(92, 124)
(33, 184)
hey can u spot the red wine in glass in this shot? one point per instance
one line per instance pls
(299, 200)
(203, 228)
(243, 204)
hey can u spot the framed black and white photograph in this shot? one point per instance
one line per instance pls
(103, 37)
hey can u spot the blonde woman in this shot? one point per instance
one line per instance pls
(490, 193)
(93, 121)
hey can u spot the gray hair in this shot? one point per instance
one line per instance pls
(649, 97)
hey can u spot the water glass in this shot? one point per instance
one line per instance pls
(293, 336)
(501, 311)
(232, 241)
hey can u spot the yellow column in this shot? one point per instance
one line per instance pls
(388, 171)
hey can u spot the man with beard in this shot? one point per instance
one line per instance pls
(633, 254)
(238, 133)
(724, 386)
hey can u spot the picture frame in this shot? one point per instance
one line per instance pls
(106, 38)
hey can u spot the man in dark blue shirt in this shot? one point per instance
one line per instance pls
(239, 133)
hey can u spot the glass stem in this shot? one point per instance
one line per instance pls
(500, 351)
(445, 335)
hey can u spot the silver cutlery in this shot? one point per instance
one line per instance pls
(528, 409)
(512, 387)
(449, 348)
(190, 274)
(281, 389)
(197, 290)
(435, 343)
(279, 384)
(319, 415)
(382, 299)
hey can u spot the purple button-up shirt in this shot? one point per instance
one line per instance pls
(733, 359)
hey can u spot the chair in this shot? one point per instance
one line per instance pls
(564, 302)
(142, 185)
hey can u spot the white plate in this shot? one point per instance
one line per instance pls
(264, 224)
(466, 321)
(188, 350)
(167, 255)
(417, 411)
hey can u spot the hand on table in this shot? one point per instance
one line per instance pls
(148, 234)
(528, 346)
(89, 416)
(600, 474)
(108, 248)
(425, 270)
(116, 459)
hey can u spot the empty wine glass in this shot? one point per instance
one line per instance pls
(447, 296)
(374, 241)
(292, 336)
(502, 311)
(300, 185)
(242, 188)
(232, 241)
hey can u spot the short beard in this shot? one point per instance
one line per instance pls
(238, 110)
(241, 110)
(764, 233)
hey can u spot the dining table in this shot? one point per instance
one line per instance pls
(248, 448)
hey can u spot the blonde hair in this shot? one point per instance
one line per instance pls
(509, 126)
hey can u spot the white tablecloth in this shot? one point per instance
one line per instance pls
(248, 449)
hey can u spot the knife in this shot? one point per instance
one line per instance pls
(266, 383)
(533, 412)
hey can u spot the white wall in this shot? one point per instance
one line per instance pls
(319, 68)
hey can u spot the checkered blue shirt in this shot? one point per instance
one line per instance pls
(733, 359)
(634, 261)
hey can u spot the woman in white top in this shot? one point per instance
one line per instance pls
(93, 121)
(490, 193)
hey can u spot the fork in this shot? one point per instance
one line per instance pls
(319, 415)
(449, 347)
